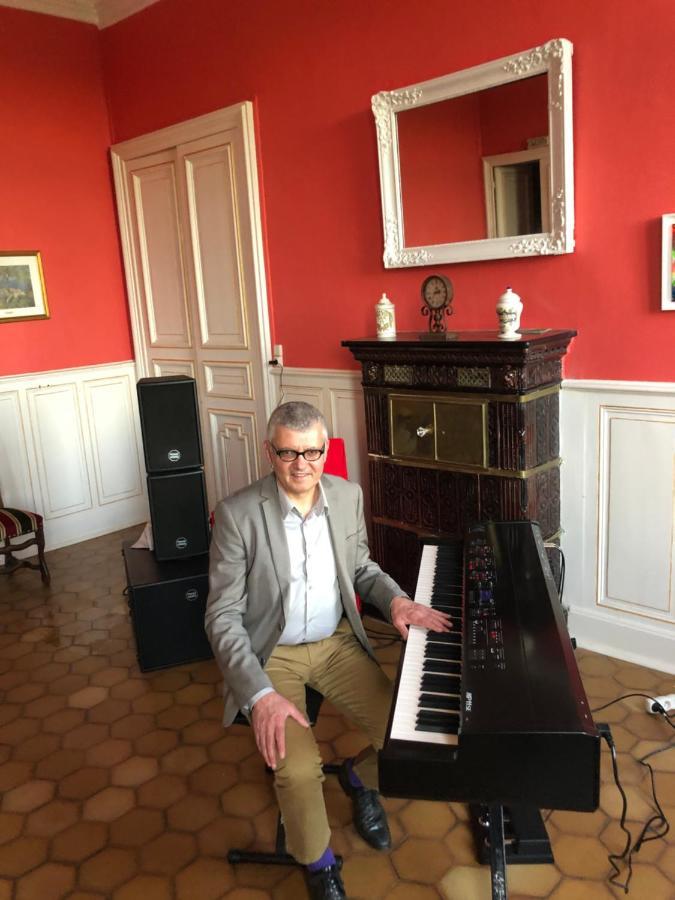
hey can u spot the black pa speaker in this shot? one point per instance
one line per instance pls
(179, 514)
(169, 423)
(167, 603)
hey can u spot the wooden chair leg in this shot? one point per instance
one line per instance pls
(44, 569)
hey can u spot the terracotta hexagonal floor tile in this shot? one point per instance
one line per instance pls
(612, 804)
(10, 826)
(581, 856)
(85, 736)
(156, 743)
(204, 731)
(80, 841)
(83, 783)
(223, 833)
(368, 876)
(134, 771)
(152, 702)
(207, 879)
(213, 778)
(48, 882)
(18, 731)
(21, 855)
(36, 747)
(421, 860)
(25, 693)
(247, 799)
(63, 721)
(162, 791)
(581, 889)
(232, 747)
(412, 892)
(52, 818)
(109, 710)
(28, 796)
(427, 819)
(107, 870)
(108, 804)
(193, 812)
(137, 827)
(145, 887)
(195, 694)
(183, 760)
(59, 764)
(177, 716)
(578, 822)
(109, 752)
(109, 676)
(14, 773)
(132, 726)
(168, 853)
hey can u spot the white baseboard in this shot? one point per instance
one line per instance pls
(632, 642)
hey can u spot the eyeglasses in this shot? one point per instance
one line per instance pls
(311, 455)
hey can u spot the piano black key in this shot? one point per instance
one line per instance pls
(439, 701)
(442, 651)
(435, 681)
(443, 666)
(444, 637)
(447, 723)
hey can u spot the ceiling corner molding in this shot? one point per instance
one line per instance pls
(82, 10)
(95, 12)
(111, 11)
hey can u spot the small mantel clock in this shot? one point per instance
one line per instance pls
(437, 293)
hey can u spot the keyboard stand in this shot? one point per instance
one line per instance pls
(520, 838)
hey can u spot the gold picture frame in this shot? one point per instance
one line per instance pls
(22, 286)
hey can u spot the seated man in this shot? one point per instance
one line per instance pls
(288, 554)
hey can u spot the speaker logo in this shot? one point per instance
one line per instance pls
(181, 543)
(192, 594)
(174, 455)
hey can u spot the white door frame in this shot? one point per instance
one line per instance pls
(241, 114)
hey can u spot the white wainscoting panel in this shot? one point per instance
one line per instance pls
(57, 432)
(618, 512)
(73, 438)
(233, 439)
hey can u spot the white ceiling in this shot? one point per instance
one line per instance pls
(97, 12)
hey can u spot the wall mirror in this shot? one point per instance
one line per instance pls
(479, 164)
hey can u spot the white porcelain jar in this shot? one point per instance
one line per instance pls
(385, 317)
(509, 309)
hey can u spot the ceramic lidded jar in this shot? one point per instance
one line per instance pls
(509, 309)
(385, 318)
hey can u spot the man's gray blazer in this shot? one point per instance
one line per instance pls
(250, 579)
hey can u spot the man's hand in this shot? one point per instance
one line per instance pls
(269, 725)
(405, 612)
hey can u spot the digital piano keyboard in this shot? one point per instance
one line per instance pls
(493, 712)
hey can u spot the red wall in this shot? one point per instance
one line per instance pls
(311, 68)
(55, 194)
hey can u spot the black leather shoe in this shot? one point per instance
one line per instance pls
(370, 819)
(325, 884)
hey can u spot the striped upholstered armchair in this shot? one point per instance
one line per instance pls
(18, 523)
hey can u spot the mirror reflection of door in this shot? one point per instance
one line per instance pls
(517, 193)
(441, 147)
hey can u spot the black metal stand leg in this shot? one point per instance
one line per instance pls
(497, 851)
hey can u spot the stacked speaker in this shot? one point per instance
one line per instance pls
(168, 589)
(175, 466)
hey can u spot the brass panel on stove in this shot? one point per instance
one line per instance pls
(461, 433)
(450, 431)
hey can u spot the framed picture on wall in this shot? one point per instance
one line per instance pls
(668, 261)
(22, 286)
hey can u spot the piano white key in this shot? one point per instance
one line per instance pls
(407, 699)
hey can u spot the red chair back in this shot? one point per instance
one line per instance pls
(336, 459)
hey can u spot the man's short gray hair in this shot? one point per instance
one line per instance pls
(296, 415)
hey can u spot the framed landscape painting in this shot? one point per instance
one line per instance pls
(22, 287)
(668, 261)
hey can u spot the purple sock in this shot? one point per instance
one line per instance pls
(354, 779)
(327, 859)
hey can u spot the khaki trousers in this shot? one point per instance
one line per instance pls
(340, 669)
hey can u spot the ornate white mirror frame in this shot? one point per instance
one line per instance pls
(554, 59)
